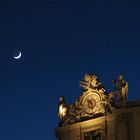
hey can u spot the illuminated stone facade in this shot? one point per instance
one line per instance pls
(98, 115)
(124, 124)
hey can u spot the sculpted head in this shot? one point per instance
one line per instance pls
(120, 77)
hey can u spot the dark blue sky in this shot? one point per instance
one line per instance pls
(61, 41)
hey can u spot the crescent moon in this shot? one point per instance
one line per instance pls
(17, 57)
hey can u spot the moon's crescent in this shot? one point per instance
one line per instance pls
(17, 57)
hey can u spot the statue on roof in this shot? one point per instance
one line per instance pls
(91, 82)
(121, 87)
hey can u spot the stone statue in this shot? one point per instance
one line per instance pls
(86, 83)
(121, 87)
(91, 82)
(62, 108)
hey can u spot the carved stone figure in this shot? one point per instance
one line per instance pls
(91, 82)
(86, 83)
(62, 108)
(121, 86)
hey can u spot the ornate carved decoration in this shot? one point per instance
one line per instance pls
(91, 82)
(93, 102)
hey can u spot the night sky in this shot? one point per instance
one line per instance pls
(60, 41)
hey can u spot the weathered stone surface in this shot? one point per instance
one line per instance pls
(124, 124)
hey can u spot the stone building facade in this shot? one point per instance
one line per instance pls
(98, 115)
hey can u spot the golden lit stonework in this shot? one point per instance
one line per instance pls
(62, 111)
(94, 101)
(98, 114)
(91, 102)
